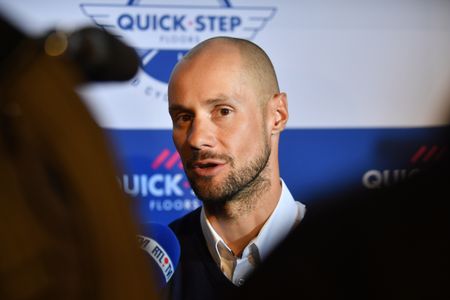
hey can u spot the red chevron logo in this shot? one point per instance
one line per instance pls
(428, 153)
(168, 160)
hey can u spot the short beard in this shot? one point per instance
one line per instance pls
(242, 186)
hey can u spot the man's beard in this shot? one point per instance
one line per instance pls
(240, 184)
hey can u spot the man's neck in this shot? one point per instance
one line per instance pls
(239, 221)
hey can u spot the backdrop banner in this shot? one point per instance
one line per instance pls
(368, 85)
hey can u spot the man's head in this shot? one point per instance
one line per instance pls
(227, 114)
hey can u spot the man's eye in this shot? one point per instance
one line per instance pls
(184, 118)
(224, 111)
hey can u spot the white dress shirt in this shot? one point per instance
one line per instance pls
(287, 214)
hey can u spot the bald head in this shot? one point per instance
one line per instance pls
(254, 62)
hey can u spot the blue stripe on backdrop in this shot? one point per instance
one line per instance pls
(314, 163)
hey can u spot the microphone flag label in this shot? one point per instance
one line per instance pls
(157, 252)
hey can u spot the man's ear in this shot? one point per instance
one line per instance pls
(280, 108)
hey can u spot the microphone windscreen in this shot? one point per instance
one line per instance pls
(162, 249)
(101, 56)
(11, 39)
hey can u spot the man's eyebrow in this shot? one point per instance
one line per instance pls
(177, 107)
(220, 98)
(211, 101)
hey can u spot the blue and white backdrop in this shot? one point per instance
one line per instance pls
(368, 85)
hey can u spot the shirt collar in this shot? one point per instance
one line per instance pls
(287, 214)
(212, 238)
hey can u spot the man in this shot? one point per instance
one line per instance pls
(227, 114)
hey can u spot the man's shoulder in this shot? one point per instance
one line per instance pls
(187, 223)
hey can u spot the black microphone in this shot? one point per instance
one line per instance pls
(98, 54)
(11, 39)
(162, 248)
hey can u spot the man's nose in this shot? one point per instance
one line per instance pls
(201, 134)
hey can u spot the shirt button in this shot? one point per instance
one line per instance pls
(241, 282)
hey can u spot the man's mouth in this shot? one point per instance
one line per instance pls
(207, 167)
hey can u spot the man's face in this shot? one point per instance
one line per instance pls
(219, 126)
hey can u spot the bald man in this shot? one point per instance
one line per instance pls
(228, 113)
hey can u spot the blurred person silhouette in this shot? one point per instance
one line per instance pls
(66, 229)
(390, 243)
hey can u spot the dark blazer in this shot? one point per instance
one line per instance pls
(197, 275)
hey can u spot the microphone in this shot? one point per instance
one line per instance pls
(162, 248)
(99, 55)
(11, 39)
